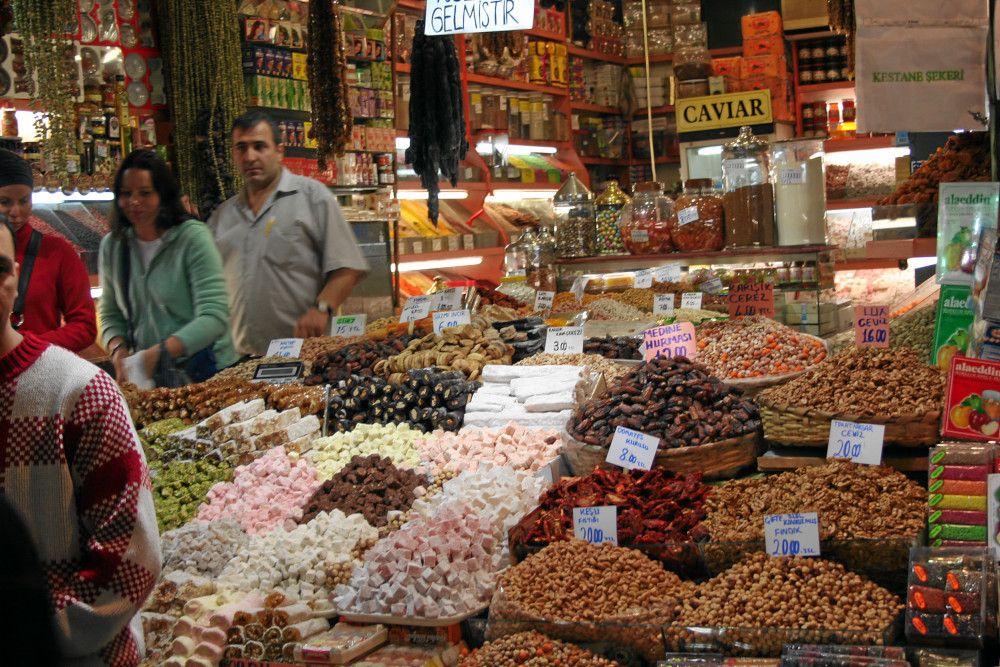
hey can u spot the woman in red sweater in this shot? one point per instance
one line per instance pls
(57, 307)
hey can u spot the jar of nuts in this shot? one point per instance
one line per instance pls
(644, 222)
(696, 224)
(573, 207)
(609, 209)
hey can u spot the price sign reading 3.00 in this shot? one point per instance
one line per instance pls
(564, 340)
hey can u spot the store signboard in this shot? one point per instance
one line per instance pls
(632, 450)
(792, 534)
(596, 524)
(713, 112)
(457, 17)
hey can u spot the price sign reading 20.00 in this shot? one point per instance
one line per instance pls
(792, 534)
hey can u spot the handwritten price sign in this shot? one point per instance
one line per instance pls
(671, 340)
(632, 449)
(348, 325)
(285, 347)
(450, 318)
(447, 299)
(871, 326)
(416, 308)
(751, 298)
(663, 304)
(792, 534)
(596, 524)
(861, 443)
(564, 340)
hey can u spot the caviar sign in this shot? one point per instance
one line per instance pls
(454, 17)
(751, 298)
(713, 112)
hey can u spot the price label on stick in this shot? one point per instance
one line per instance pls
(871, 326)
(632, 449)
(448, 299)
(564, 340)
(416, 308)
(663, 304)
(792, 534)
(668, 273)
(691, 300)
(450, 318)
(285, 347)
(751, 298)
(644, 278)
(861, 443)
(713, 286)
(596, 524)
(348, 325)
(543, 300)
(671, 340)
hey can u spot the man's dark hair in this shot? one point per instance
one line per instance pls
(254, 117)
(10, 228)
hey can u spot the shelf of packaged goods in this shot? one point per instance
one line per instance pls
(867, 264)
(450, 254)
(499, 186)
(613, 161)
(285, 114)
(901, 248)
(546, 34)
(655, 110)
(792, 253)
(574, 50)
(809, 88)
(402, 68)
(594, 108)
(667, 57)
(859, 144)
(847, 204)
(561, 145)
(468, 186)
(516, 85)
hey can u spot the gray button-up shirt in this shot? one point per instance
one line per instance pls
(277, 262)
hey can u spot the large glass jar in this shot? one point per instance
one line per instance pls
(696, 224)
(799, 191)
(692, 62)
(609, 209)
(515, 257)
(644, 222)
(573, 207)
(542, 261)
(749, 198)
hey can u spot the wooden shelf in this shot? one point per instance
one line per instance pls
(808, 88)
(613, 161)
(516, 85)
(666, 257)
(561, 145)
(581, 52)
(451, 254)
(665, 58)
(402, 68)
(500, 186)
(842, 204)
(594, 108)
(863, 144)
(666, 109)
(901, 249)
(546, 34)
(867, 264)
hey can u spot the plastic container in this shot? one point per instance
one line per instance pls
(692, 62)
(542, 261)
(609, 208)
(748, 201)
(799, 191)
(573, 207)
(644, 223)
(697, 222)
(515, 257)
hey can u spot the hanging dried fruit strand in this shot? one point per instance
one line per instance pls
(44, 26)
(326, 61)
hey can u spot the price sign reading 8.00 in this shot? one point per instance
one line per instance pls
(632, 449)
(564, 340)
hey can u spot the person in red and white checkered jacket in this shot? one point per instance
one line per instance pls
(72, 467)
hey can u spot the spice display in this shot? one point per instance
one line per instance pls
(247, 369)
(512, 445)
(526, 336)
(913, 330)
(964, 157)
(623, 347)
(451, 581)
(696, 315)
(870, 179)
(609, 208)
(355, 359)
(644, 223)
(396, 442)
(326, 66)
(437, 113)
(532, 649)
(262, 494)
(642, 299)
(201, 548)
(755, 346)
(671, 399)
(654, 507)
(696, 223)
(467, 348)
(180, 487)
(764, 592)
(371, 486)
(866, 381)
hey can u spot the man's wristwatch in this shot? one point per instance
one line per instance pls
(322, 306)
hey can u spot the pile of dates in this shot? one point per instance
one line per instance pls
(355, 359)
(622, 347)
(672, 399)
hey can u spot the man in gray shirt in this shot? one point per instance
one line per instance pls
(289, 256)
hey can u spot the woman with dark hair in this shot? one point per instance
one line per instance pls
(161, 276)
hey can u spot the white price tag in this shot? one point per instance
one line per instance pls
(644, 278)
(692, 299)
(447, 299)
(564, 340)
(663, 304)
(861, 443)
(418, 247)
(735, 168)
(632, 449)
(348, 325)
(640, 236)
(792, 534)
(578, 286)
(416, 308)
(450, 318)
(543, 300)
(285, 347)
(713, 286)
(668, 273)
(687, 215)
(792, 175)
(596, 524)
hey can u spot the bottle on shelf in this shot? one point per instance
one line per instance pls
(515, 258)
(544, 261)
(124, 119)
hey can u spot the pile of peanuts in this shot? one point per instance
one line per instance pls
(595, 363)
(531, 649)
(637, 298)
(763, 592)
(755, 346)
(615, 309)
(866, 381)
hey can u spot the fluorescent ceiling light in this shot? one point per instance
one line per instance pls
(878, 155)
(508, 195)
(519, 149)
(402, 143)
(429, 264)
(422, 194)
(484, 148)
(920, 262)
(96, 292)
(710, 150)
(59, 198)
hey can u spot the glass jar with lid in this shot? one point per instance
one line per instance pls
(748, 199)
(542, 261)
(644, 222)
(799, 191)
(609, 209)
(515, 258)
(696, 224)
(573, 207)
(692, 62)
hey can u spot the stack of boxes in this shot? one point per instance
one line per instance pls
(661, 40)
(984, 342)
(957, 498)
(607, 81)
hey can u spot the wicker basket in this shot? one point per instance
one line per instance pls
(795, 425)
(753, 386)
(716, 460)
